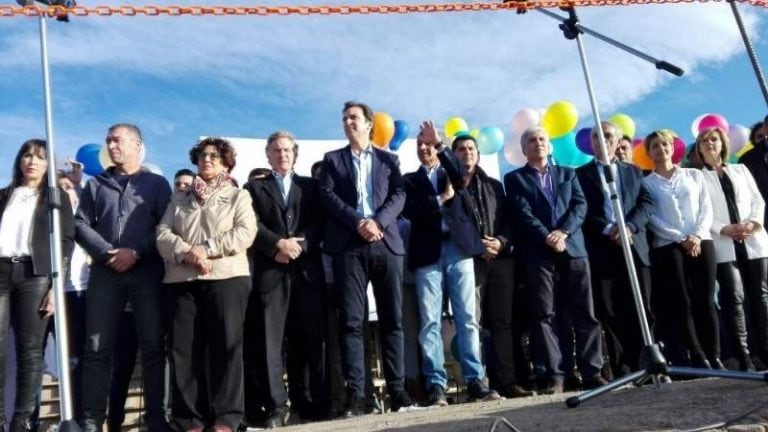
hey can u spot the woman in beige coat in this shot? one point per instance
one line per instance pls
(203, 239)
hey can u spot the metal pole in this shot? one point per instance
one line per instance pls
(750, 51)
(57, 265)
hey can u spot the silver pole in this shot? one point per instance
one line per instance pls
(57, 269)
(750, 51)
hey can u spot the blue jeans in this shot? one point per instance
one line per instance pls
(457, 268)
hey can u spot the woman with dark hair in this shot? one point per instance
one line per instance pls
(741, 244)
(682, 255)
(203, 238)
(26, 303)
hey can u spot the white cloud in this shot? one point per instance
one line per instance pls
(484, 66)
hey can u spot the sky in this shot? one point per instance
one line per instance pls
(179, 78)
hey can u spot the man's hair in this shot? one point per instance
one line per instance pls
(259, 172)
(367, 112)
(459, 139)
(753, 131)
(184, 172)
(131, 127)
(606, 124)
(528, 133)
(274, 136)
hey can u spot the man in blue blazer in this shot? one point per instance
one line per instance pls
(549, 207)
(612, 291)
(362, 192)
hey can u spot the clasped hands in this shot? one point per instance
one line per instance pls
(556, 240)
(121, 259)
(370, 230)
(288, 249)
(197, 257)
(615, 235)
(692, 245)
(740, 231)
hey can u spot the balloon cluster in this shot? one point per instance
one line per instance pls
(389, 133)
(489, 139)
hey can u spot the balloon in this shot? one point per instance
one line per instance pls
(561, 117)
(680, 151)
(566, 153)
(490, 139)
(746, 148)
(104, 160)
(695, 125)
(524, 119)
(383, 129)
(712, 120)
(583, 140)
(738, 136)
(473, 133)
(152, 168)
(513, 152)
(625, 124)
(88, 155)
(454, 125)
(400, 135)
(142, 153)
(639, 156)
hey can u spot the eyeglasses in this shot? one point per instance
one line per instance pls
(204, 155)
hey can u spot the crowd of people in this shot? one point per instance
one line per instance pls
(224, 289)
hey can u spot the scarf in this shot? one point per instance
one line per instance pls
(203, 190)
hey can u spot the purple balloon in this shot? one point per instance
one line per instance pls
(583, 141)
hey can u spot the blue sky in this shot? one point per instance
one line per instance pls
(182, 77)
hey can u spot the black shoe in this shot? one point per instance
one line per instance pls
(555, 386)
(278, 418)
(478, 391)
(700, 362)
(746, 365)
(436, 396)
(515, 391)
(716, 363)
(399, 401)
(355, 408)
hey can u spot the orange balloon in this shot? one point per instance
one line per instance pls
(640, 158)
(383, 129)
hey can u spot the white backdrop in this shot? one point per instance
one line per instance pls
(251, 154)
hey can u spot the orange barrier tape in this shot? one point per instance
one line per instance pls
(150, 10)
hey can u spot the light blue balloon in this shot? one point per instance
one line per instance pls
(490, 139)
(567, 153)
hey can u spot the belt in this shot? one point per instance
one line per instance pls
(15, 259)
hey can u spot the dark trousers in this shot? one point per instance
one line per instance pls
(566, 278)
(754, 274)
(207, 351)
(21, 293)
(108, 294)
(294, 311)
(683, 299)
(76, 336)
(615, 306)
(352, 270)
(497, 278)
(123, 363)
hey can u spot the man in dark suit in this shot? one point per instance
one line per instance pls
(289, 281)
(443, 240)
(611, 288)
(362, 192)
(756, 159)
(549, 207)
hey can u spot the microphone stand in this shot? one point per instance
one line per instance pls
(750, 50)
(652, 360)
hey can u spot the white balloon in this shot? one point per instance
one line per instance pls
(695, 125)
(524, 119)
(738, 135)
(513, 153)
(104, 158)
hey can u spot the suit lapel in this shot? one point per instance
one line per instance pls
(378, 187)
(273, 190)
(346, 158)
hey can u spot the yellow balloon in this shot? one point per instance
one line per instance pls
(474, 132)
(560, 118)
(625, 123)
(749, 146)
(454, 125)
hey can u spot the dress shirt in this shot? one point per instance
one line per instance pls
(16, 225)
(545, 180)
(363, 164)
(284, 183)
(432, 176)
(681, 206)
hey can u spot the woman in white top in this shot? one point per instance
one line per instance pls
(25, 267)
(741, 243)
(682, 258)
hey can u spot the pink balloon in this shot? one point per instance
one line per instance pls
(713, 120)
(679, 153)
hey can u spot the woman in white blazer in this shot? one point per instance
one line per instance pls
(741, 245)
